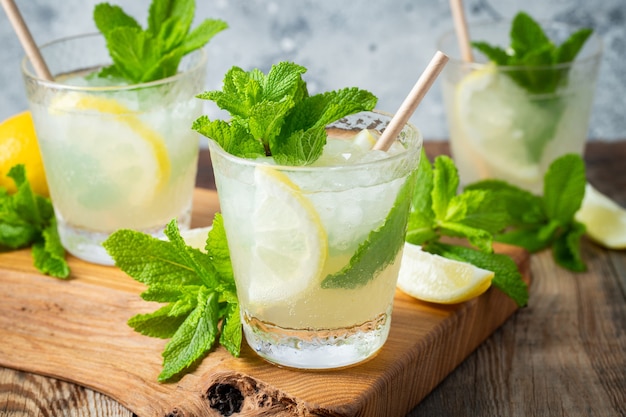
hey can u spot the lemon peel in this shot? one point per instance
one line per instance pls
(604, 219)
(291, 245)
(75, 101)
(436, 279)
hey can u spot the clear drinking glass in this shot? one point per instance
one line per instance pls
(115, 156)
(293, 233)
(499, 129)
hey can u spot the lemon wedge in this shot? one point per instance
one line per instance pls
(290, 243)
(491, 115)
(604, 219)
(136, 155)
(441, 280)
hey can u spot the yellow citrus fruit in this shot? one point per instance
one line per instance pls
(440, 280)
(144, 147)
(18, 145)
(604, 219)
(291, 244)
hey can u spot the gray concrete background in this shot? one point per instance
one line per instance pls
(376, 45)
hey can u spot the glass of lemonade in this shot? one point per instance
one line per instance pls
(316, 249)
(115, 156)
(500, 130)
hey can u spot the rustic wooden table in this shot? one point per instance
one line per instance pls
(564, 354)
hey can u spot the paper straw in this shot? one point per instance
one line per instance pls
(411, 101)
(462, 32)
(23, 34)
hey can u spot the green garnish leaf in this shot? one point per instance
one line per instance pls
(381, 247)
(273, 114)
(541, 222)
(27, 219)
(142, 55)
(197, 286)
(531, 47)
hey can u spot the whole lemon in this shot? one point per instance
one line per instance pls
(18, 145)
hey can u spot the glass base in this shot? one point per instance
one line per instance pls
(317, 349)
(86, 244)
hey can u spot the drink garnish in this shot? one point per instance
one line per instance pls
(494, 211)
(273, 114)
(531, 47)
(27, 219)
(141, 55)
(533, 60)
(198, 287)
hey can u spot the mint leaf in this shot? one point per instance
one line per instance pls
(438, 210)
(194, 338)
(507, 277)
(198, 287)
(143, 55)
(273, 114)
(564, 187)
(530, 47)
(381, 247)
(27, 219)
(542, 222)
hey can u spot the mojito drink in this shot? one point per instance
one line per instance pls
(115, 156)
(316, 249)
(499, 128)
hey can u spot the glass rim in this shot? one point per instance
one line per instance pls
(26, 71)
(457, 60)
(419, 139)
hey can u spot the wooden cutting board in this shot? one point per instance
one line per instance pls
(76, 330)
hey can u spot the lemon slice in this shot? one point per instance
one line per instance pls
(441, 280)
(604, 219)
(290, 243)
(136, 156)
(491, 114)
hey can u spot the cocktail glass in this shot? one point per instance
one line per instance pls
(115, 156)
(316, 249)
(500, 130)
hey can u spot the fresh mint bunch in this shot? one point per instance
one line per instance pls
(531, 48)
(438, 211)
(273, 114)
(538, 222)
(27, 219)
(198, 289)
(142, 55)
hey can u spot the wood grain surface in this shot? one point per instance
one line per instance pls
(76, 330)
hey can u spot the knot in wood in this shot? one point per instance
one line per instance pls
(225, 398)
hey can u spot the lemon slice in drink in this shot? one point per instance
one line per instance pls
(491, 115)
(196, 237)
(441, 280)
(290, 242)
(135, 157)
(604, 219)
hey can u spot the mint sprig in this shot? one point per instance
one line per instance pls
(530, 48)
(540, 222)
(273, 114)
(27, 219)
(474, 216)
(198, 287)
(142, 55)
(495, 211)
(533, 59)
